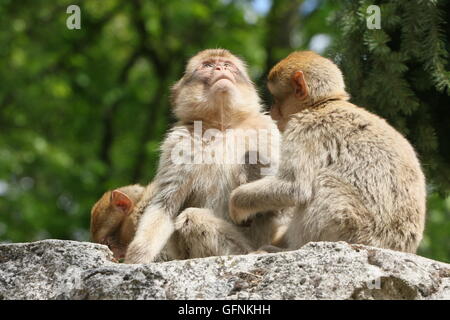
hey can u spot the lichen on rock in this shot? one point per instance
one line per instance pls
(60, 269)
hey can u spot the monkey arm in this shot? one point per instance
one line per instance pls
(154, 230)
(269, 193)
(157, 225)
(302, 156)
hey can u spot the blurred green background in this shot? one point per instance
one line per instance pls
(83, 111)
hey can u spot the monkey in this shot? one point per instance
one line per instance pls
(347, 173)
(199, 234)
(115, 216)
(217, 93)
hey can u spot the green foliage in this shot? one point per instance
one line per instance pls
(436, 241)
(83, 111)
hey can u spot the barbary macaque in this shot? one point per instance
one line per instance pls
(114, 218)
(201, 161)
(348, 173)
(116, 214)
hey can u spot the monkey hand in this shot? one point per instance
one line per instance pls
(238, 213)
(139, 252)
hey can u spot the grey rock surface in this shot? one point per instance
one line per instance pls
(57, 269)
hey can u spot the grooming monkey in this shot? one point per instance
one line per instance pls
(115, 216)
(349, 174)
(217, 91)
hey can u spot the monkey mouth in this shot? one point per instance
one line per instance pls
(222, 77)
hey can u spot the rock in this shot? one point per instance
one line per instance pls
(57, 269)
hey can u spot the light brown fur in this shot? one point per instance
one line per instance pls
(232, 103)
(113, 227)
(197, 232)
(348, 173)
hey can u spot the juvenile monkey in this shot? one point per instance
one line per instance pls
(349, 174)
(115, 216)
(216, 92)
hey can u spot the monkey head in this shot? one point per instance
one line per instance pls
(301, 80)
(111, 220)
(215, 84)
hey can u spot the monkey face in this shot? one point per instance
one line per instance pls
(105, 218)
(118, 249)
(215, 84)
(111, 224)
(105, 229)
(285, 104)
(218, 76)
(303, 79)
(216, 70)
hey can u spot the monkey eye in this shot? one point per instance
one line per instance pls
(208, 65)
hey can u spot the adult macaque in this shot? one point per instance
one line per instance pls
(216, 92)
(115, 216)
(349, 174)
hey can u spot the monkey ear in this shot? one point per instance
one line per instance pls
(121, 201)
(301, 89)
